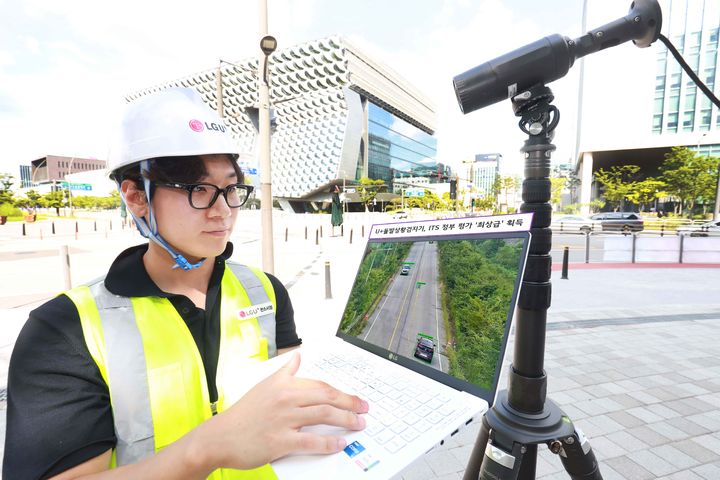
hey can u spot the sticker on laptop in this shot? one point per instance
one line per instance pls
(516, 222)
(255, 311)
(360, 456)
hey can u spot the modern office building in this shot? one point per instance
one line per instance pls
(25, 176)
(338, 115)
(636, 104)
(51, 170)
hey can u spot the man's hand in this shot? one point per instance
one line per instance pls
(266, 423)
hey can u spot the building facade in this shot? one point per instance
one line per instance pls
(52, 169)
(338, 115)
(636, 104)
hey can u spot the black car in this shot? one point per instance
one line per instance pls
(620, 221)
(424, 349)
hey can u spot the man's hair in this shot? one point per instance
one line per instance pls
(187, 169)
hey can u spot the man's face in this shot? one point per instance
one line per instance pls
(197, 233)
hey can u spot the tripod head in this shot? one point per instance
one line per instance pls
(550, 58)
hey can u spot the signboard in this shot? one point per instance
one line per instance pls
(77, 186)
(414, 192)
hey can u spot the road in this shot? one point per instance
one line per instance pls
(411, 305)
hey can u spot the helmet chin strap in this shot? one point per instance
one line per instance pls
(148, 228)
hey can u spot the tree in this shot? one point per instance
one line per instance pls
(647, 191)
(557, 185)
(689, 177)
(619, 181)
(6, 193)
(54, 200)
(369, 188)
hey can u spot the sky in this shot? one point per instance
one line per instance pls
(66, 66)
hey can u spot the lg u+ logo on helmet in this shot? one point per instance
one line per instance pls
(199, 126)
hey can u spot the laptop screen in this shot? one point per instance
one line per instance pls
(440, 305)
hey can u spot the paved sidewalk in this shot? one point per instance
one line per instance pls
(632, 354)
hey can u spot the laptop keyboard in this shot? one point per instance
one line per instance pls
(399, 412)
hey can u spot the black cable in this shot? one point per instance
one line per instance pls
(689, 71)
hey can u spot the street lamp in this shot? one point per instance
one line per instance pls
(268, 44)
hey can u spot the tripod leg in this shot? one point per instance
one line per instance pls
(472, 471)
(577, 457)
(499, 464)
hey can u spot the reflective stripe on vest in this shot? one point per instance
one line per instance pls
(152, 366)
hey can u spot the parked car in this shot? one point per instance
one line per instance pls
(400, 214)
(405, 270)
(425, 347)
(702, 230)
(572, 223)
(620, 221)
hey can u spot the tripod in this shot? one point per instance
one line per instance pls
(522, 418)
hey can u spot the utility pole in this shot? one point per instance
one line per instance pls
(267, 46)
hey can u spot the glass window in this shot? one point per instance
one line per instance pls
(688, 121)
(674, 103)
(658, 105)
(657, 123)
(395, 147)
(710, 58)
(690, 99)
(705, 116)
(660, 82)
(661, 64)
(672, 122)
(675, 80)
(713, 37)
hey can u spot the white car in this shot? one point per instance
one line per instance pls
(701, 230)
(572, 223)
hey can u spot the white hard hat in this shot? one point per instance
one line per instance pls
(170, 123)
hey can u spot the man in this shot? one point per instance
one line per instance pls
(135, 375)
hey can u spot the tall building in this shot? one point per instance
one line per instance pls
(480, 173)
(25, 176)
(636, 104)
(51, 169)
(338, 114)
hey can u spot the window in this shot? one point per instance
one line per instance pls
(688, 121)
(657, 123)
(658, 104)
(672, 123)
(705, 116)
(675, 80)
(690, 99)
(660, 83)
(674, 102)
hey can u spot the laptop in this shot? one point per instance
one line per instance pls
(422, 339)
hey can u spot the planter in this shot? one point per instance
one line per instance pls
(30, 217)
(3, 220)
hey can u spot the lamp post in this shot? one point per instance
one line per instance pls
(268, 44)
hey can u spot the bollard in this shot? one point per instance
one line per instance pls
(587, 247)
(23, 229)
(342, 230)
(317, 237)
(286, 233)
(94, 225)
(566, 256)
(76, 230)
(41, 234)
(634, 236)
(363, 231)
(662, 230)
(65, 265)
(328, 289)
(52, 225)
(682, 240)
(305, 232)
(321, 231)
(351, 231)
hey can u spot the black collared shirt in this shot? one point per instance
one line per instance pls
(59, 412)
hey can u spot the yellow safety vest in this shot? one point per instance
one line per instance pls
(154, 372)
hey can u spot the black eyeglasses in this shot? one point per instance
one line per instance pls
(203, 195)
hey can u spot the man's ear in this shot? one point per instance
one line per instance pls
(135, 198)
